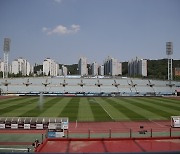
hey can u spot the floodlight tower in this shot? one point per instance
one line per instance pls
(169, 52)
(6, 52)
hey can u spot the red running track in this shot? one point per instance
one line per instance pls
(103, 126)
(119, 125)
(123, 126)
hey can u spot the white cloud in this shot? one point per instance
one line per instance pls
(61, 30)
(75, 28)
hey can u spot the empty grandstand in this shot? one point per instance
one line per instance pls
(76, 86)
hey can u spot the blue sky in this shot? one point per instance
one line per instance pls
(65, 30)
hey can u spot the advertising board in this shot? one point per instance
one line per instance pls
(39, 126)
(51, 134)
(27, 126)
(14, 126)
(2, 126)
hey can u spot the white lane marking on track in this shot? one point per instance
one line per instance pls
(156, 123)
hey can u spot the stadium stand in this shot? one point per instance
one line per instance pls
(88, 86)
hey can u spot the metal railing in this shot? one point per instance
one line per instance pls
(123, 133)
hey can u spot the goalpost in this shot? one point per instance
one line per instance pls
(175, 121)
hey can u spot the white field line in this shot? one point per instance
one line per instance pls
(156, 123)
(105, 110)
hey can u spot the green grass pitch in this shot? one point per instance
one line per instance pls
(92, 108)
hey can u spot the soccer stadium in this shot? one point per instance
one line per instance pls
(85, 114)
(86, 76)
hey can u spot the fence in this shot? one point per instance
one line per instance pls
(123, 133)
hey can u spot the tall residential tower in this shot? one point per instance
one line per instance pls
(22, 66)
(137, 67)
(112, 67)
(94, 69)
(50, 67)
(82, 66)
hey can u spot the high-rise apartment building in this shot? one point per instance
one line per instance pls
(50, 67)
(112, 67)
(63, 70)
(82, 66)
(1, 66)
(94, 69)
(137, 67)
(101, 70)
(119, 68)
(22, 66)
